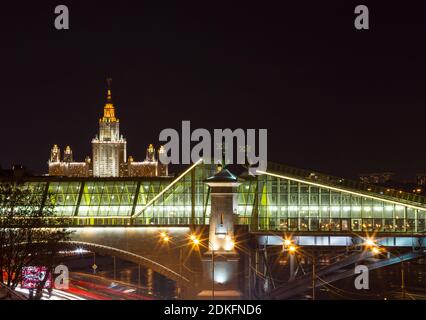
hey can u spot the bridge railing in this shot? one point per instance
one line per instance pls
(302, 224)
(340, 225)
(116, 221)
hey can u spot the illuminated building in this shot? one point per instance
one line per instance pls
(67, 167)
(109, 153)
(421, 179)
(151, 167)
(109, 149)
(376, 178)
(68, 154)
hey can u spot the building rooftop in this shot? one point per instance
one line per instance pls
(223, 175)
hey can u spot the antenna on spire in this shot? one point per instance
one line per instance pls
(109, 94)
(223, 154)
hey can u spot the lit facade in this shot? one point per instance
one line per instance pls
(109, 148)
(376, 178)
(109, 154)
(421, 179)
(67, 167)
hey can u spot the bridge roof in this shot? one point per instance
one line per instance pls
(345, 185)
(223, 175)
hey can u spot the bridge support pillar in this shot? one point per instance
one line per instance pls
(221, 261)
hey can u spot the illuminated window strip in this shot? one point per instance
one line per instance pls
(168, 187)
(74, 217)
(340, 190)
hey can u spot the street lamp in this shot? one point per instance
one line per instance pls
(292, 249)
(164, 236)
(370, 243)
(196, 242)
(375, 250)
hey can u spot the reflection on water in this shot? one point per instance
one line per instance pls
(147, 282)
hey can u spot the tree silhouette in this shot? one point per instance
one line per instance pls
(28, 234)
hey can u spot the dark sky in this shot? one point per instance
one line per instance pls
(334, 99)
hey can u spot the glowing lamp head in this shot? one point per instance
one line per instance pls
(195, 241)
(287, 242)
(166, 238)
(375, 250)
(292, 249)
(370, 243)
(229, 245)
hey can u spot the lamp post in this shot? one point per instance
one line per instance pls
(212, 273)
(369, 243)
(313, 277)
(180, 269)
(403, 290)
(292, 249)
(402, 280)
(194, 240)
(115, 268)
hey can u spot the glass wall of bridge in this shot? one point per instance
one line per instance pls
(107, 198)
(64, 196)
(264, 203)
(287, 205)
(186, 202)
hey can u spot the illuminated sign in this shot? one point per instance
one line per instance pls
(32, 276)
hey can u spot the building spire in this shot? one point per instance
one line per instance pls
(109, 110)
(109, 93)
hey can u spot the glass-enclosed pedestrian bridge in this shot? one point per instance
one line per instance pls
(280, 199)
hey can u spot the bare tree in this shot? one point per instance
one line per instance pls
(29, 234)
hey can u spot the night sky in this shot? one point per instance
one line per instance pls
(334, 99)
